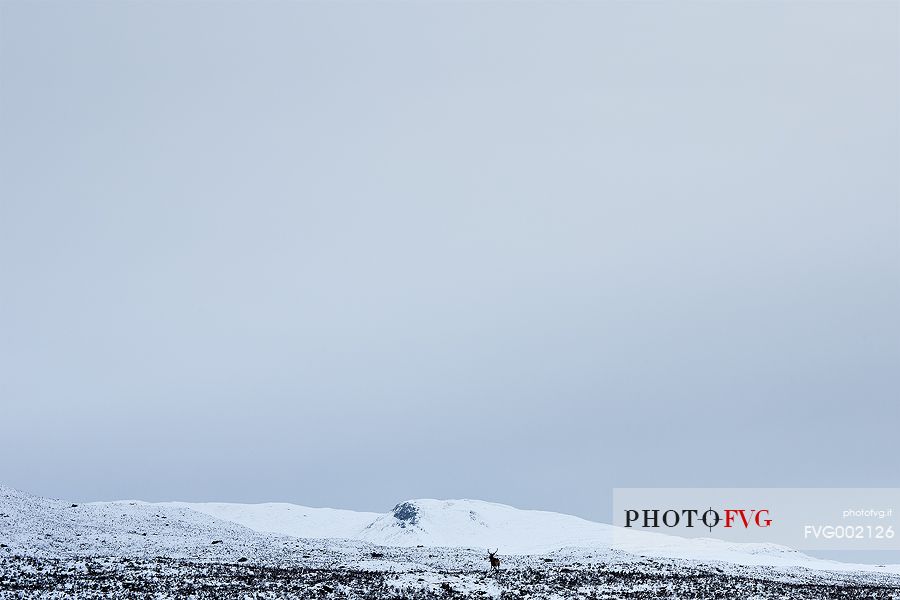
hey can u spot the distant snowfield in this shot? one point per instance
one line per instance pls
(479, 524)
(287, 519)
(275, 532)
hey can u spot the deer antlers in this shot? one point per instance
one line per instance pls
(495, 562)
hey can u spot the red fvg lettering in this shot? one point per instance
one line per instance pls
(747, 518)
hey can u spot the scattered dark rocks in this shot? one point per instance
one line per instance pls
(407, 513)
(147, 578)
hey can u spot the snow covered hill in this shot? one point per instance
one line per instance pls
(454, 530)
(287, 519)
(42, 527)
(475, 524)
(436, 523)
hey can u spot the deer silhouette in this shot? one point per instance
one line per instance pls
(495, 562)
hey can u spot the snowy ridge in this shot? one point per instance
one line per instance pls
(286, 519)
(455, 529)
(35, 526)
(476, 524)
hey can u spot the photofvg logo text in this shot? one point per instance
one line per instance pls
(728, 518)
(845, 519)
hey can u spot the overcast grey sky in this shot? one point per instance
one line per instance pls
(348, 254)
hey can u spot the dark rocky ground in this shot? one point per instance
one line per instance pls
(115, 577)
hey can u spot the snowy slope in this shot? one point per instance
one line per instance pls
(478, 524)
(475, 524)
(436, 523)
(287, 519)
(34, 526)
